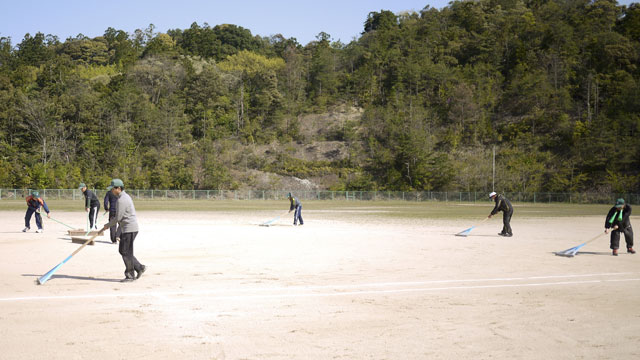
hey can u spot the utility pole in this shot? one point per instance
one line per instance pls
(493, 181)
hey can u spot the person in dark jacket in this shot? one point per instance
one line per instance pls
(91, 205)
(297, 206)
(110, 201)
(618, 221)
(34, 204)
(504, 205)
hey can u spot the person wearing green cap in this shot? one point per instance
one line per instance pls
(128, 223)
(34, 205)
(297, 206)
(617, 221)
(91, 205)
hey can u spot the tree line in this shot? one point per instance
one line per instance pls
(551, 85)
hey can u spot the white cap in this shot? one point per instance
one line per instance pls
(493, 193)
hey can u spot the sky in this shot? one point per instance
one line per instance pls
(301, 19)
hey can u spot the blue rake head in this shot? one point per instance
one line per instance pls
(465, 232)
(268, 223)
(569, 252)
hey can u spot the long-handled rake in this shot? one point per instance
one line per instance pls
(41, 280)
(270, 222)
(466, 232)
(571, 252)
(60, 222)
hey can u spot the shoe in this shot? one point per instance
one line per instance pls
(114, 242)
(25, 229)
(508, 235)
(631, 251)
(501, 234)
(614, 252)
(39, 231)
(142, 270)
(127, 279)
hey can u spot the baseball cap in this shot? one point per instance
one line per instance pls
(35, 194)
(81, 186)
(115, 183)
(620, 202)
(493, 193)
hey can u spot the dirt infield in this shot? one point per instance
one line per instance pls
(343, 286)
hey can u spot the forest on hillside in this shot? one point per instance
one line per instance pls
(552, 85)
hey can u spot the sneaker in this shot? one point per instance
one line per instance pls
(127, 279)
(142, 270)
(614, 252)
(25, 229)
(39, 231)
(508, 235)
(631, 251)
(501, 234)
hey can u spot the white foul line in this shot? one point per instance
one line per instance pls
(308, 291)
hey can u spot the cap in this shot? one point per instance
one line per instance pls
(81, 186)
(115, 183)
(35, 194)
(620, 202)
(289, 195)
(493, 193)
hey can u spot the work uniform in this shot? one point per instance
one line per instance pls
(504, 205)
(297, 206)
(110, 201)
(128, 223)
(92, 203)
(33, 206)
(620, 217)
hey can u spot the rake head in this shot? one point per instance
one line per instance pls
(465, 232)
(569, 252)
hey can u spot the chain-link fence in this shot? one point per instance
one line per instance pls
(452, 196)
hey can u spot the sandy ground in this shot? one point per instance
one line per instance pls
(220, 287)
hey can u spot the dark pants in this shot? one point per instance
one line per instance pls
(506, 219)
(126, 250)
(297, 216)
(27, 218)
(93, 217)
(615, 237)
(114, 231)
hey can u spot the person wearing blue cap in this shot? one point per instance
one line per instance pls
(617, 221)
(504, 205)
(34, 205)
(297, 206)
(128, 223)
(91, 205)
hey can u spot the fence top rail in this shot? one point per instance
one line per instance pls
(349, 195)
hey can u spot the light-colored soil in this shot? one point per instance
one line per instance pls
(219, 286)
